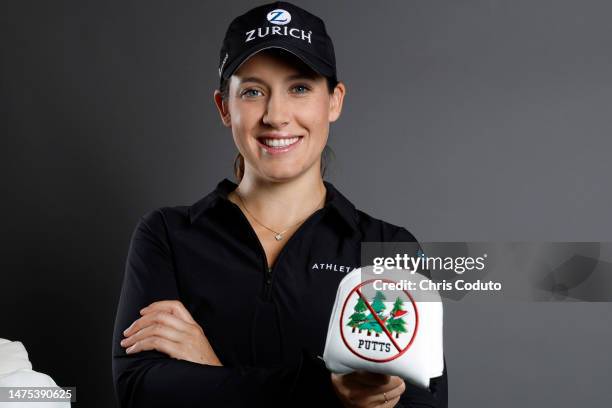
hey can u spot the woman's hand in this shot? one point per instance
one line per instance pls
(168, 327)
(362, 389)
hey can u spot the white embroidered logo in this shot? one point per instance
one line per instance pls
(279, 17)
(332, 267)
(223, 63)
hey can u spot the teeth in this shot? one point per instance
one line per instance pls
(280, 142)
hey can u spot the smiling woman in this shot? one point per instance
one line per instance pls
(266, 88)
(306, 73)
(223, 303)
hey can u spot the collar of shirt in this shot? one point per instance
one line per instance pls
(343, 208)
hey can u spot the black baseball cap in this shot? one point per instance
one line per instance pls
(278, 25)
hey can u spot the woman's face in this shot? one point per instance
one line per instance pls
(279, 114)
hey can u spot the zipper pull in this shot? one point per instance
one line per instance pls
(269, 276)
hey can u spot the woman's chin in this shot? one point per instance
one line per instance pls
(282, 176)
(282, 173)
(287, 169)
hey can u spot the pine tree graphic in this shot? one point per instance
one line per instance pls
(358, 317)
(371, 324)
(396, 322)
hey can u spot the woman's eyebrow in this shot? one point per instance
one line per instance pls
(293, 77)
(301, 75)
(252, 79)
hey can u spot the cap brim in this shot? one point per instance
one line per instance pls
(311, 60)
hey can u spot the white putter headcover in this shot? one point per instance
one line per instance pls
(394, 332)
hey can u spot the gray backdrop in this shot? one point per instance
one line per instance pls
(463, 120)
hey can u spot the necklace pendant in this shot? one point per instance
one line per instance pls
(278, 237)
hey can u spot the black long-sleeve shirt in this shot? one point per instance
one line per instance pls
(267, 326)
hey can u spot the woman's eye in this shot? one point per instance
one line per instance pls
(301, 89)
(250, 92)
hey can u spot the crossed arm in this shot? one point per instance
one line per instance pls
(162, 357)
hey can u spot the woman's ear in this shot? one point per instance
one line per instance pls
(222, 108)
(335, 101)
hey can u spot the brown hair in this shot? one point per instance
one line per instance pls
(331, 85)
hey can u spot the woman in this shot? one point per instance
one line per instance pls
(238, 288)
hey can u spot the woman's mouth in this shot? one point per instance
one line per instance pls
(278, 145)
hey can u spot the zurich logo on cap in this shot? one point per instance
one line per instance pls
(279, 17)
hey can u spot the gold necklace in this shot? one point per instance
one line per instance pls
(277, 235)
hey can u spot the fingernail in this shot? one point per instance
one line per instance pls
(129, 350)
(128, 329)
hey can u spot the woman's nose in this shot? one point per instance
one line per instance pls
(277, 111)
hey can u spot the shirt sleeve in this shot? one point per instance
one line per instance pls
(413, 396)
(154, 379)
